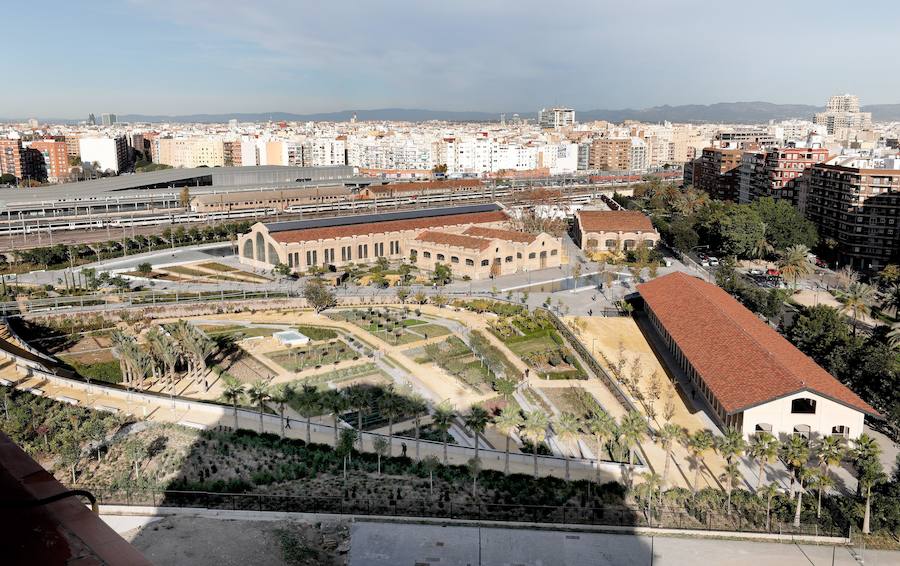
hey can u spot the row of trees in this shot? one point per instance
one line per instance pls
(165, 351)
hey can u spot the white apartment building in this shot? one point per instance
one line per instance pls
(110, 153)
(556, 118)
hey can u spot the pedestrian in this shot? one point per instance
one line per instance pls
(403, 447)
(288, 423)
(590, 312)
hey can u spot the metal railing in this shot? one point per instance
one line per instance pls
(606, 515)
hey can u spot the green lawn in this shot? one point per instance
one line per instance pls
(523, 345)
(317, 332)
(107, 372)
(236, 332)
(216, 266)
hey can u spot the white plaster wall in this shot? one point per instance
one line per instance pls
(828, 414)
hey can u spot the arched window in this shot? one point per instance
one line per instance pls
(470, 263)
(485, 263)
(764, 427)
(427, 255)
(260, 247)
(591, 244)
(518, 255)
(248, 248)
(802, 430)
(803, 406)
(454, 259)
(650, 243)
(532, 255)
(273, 255)
(440, 257)
(509, 259)
(610, 244)
(629, 244)
(553, 252)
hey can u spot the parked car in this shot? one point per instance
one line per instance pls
(755, 272)
(714, 261)
(821, 263)
(704, 262)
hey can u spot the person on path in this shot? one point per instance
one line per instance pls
(403, 447)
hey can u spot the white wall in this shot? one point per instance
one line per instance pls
(828, 414)
(101, 150)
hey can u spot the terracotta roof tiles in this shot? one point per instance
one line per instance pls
(742, 360)
(455, 240)
(500, 234)
(614, 221)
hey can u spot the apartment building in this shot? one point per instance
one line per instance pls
(858, 206)
(53, 162)
(231, 153)
(611, 154)
(717, 171)
(777, 172)
(842, 116)
(111, 154)
(12, 158)
(191, 152)
(744, 138)
(556, 118)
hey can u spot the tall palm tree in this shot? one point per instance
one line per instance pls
(280, 395)
(233, 393)
(632, 431)
(891, 300)
(602, 427)
(417, 407)
(698, 443)
(731, 444)
(442, 419)
(508, 422)
(731, 475)
(566, 427)
(258, 394)
(796, 453)
(830, 452)
(762, 248)
(476, 420)
(359, 397)
(856, 301)
(391, 406)
(336, 402)
(763, 449)
(669, 434)
(309, 404)
(167, 351)
(535, 430)
(869, 472)
(794, 263)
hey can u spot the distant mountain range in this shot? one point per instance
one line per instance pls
(722, 112)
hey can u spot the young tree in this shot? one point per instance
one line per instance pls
(258, 394)
(602, 427)
(731, 475)
(796, 453)
(145, 268)
(318, 296)
(763, 449)
(669, 434)
(632, 431)
(280, 395)
(566, 427)
(382, 447)
(698, 444)
(430, 463)
(442, 419)
(402, 294)
(136, 451)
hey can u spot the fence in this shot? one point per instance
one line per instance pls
(609, 515)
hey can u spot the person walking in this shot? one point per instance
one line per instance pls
(403, 448)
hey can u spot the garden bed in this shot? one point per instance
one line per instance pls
(314, 356)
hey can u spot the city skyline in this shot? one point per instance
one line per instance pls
(220, 57)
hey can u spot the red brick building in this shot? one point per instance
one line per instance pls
(717, 172)
(54, 160)
(777, 172)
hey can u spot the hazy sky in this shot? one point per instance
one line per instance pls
(188, 56)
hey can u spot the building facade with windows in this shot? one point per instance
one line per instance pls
(613, 230)
(776, 173)
(474, 241)
(752, 378)
(717, 172)
(858, 206)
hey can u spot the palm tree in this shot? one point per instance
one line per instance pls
(602, 427)
(669, 434)
(567, 427)
(869, 471)
(796, 453)
(417, 407)
(359, 397)
(761, 247)
(892, 299)
(822, 481)
(731, 475)
(632, 430)
(280, 395)
(442, 419)
(476, 421)
(535, 430)
(830, 452)
(731, 444)
(234, 394)
(508, 422)
(894, 335)
(391, 406)
(506, 388)
(258, 394)
(336, 403)
(856, 301)
(769, 491)
(795, 263)
(845, 277)
(763, 449)
(652, 483)
(697, 444)
(309, 404)
(166, 350)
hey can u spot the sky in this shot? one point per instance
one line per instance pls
(306, 56)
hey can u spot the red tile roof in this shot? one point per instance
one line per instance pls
(455, 240)
(499, 234)
(742, 360)
(614, 221)
(425, 186)
(329, 232)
